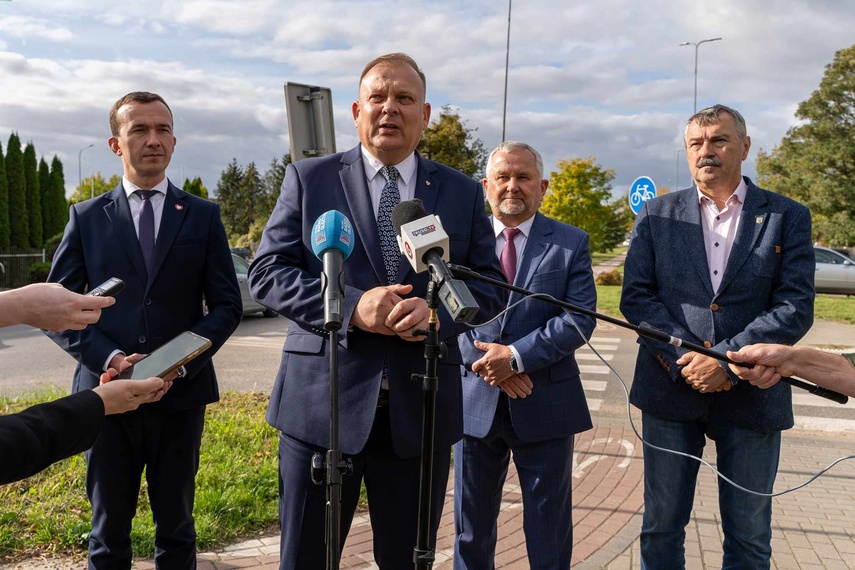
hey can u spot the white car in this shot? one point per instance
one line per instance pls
(835, 272)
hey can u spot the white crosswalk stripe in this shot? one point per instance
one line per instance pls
(595, 389)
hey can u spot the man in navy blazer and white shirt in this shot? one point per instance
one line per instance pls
(723, 264)
(380, 405)
(522, 393)
(171, 251)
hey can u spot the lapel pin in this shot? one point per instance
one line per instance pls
(777, 249)
(759, 219)
(179, 207)
(427, 182)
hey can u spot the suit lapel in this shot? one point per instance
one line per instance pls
(119, 213)
(174, 210)
(426, 189)
(355, 186)
(751, 223)
(692, 234)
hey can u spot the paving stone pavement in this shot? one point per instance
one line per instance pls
(812, 527)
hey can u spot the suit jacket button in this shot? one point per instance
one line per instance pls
(141, 339)
(707, 344)
(714, 307)
(504, 335)
(147, 302)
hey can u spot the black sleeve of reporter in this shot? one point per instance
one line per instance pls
(43, 434)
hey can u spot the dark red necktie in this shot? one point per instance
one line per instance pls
(509, 254)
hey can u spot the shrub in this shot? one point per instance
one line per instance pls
(38, 272)
(613, 277)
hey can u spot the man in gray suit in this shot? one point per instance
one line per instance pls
(522, 393)
(722, 264)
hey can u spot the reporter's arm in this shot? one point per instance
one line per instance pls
(772, 361)
(43, 434)
(50, 306)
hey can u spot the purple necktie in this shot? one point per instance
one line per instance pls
(146, 233)
(509, 254)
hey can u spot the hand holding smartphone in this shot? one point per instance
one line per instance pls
(109, 288)
(168, 358)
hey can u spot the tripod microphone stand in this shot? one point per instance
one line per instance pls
(645, 331)
(331, 468)
(423, 555)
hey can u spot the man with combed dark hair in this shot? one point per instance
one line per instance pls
(171, 251)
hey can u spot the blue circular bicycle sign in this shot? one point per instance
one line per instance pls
(642, 190)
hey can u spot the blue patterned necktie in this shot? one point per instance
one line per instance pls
(146, 231)
(388, 242)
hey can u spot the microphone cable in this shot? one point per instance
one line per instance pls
(700, 460)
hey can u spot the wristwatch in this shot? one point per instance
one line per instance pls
(514, 366)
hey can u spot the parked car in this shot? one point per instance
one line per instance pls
(835, 272)
(250, 306)
(241, 251)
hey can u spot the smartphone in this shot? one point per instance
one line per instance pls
(108, 288)
(168, 358)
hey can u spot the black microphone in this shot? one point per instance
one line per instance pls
(332, 242)
(425, 244)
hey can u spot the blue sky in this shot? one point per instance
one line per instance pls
(605, 79)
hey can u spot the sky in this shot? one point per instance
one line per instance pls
(605, 79)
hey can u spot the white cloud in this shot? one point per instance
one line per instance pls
(604, 79)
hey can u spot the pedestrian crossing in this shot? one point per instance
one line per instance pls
(811, 412)
(592, 369)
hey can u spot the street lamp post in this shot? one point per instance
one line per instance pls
(507, 59)
(677, 171)
(80, 168)
(697, 45)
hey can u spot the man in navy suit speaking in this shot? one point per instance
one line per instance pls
(722, 264)
(522, 393)
(380, 405)
(170, 249)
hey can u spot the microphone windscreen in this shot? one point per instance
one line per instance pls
(406, 212)
(332, 230)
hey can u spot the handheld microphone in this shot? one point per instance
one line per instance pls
(425, 244)
(332, 242)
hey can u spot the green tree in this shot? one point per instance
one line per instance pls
(449, 141)
(19, 235)
(233, 207)
(33, 195)
(195, 187)
(46, 197)
(4, 204)
(815, 161)
(579, 194)
(271, 184)
(94, 186)
(57, 190)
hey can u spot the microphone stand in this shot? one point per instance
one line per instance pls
(647, 331)
(423, 555)
(331, 468)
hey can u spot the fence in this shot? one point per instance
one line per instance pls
(15, 265)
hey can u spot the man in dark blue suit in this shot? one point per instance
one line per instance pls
(381, 406)
(170, 249)
(522, 393)
(723, 264)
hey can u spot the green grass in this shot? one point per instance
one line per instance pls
(236, 487)
(598, 257)
(837, 308)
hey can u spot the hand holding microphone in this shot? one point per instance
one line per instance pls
(332, 242)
